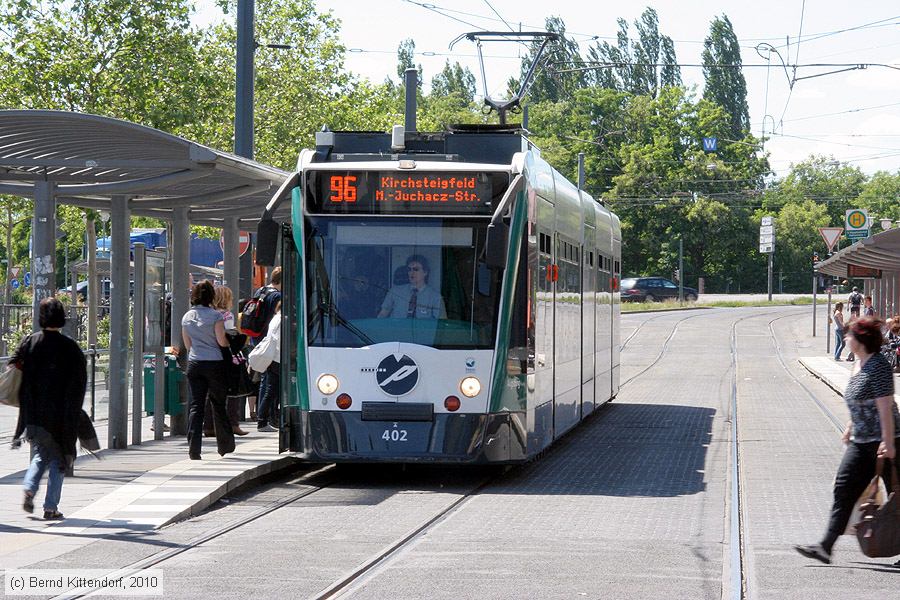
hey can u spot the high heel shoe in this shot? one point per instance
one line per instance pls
(238, 431)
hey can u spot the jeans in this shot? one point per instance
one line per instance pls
(39, 464)
(854, 475)
(839, 343)
(207, 378)
(269, 390)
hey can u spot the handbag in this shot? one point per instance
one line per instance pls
(10, 384)
(878, 532)
(262, 355)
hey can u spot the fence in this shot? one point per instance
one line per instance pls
(15, 322)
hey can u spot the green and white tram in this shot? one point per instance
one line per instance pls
(448, 297)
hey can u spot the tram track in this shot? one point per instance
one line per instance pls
(662, 351)
(740, 585)
(160, 557)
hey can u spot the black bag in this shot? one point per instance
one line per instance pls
(256, 314)
(87, 436)
(878, 532)
(237, 379)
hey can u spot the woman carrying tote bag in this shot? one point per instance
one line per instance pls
(873, 431)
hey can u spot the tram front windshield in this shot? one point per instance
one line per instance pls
(408, 279)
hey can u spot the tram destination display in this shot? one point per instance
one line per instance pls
(403, 192)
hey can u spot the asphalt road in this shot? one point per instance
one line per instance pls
(635, 503)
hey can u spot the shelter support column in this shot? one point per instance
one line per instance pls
(232, 267)
(120, 271)
(43, 246)
(180, 244)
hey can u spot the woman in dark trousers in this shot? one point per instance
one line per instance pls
(54, 377)
(873, 431)
(203, 331)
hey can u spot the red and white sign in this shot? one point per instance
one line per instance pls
(243, 242)
(14, 272)
(831, 235)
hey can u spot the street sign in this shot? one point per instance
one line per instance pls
(243, 242)
(766, 230)
(767, 235)
(831, 235)
(766, 248)
(710, 144)
(767, 239)
(27, 278)
(856, 223)
(14, 272)
(14, 284)
(767, 221)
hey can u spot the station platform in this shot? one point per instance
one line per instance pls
(125, 492)
(835, 374)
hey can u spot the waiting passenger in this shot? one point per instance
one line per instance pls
(416, 299)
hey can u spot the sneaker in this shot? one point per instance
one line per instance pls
(815, 551)
(837, 358)
(28, 502)
(53, 515)
(266, 429)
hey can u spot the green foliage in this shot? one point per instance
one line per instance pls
(641, 66)
(726, 86)
(559, 81)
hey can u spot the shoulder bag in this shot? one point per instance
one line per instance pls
(10, 384)
(878, 531)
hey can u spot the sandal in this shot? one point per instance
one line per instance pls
(53, 515)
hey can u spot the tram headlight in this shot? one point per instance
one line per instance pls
(470, 387)
(327, 384)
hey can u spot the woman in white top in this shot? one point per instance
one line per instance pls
(837, 317)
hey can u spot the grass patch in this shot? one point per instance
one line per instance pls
(628, 307)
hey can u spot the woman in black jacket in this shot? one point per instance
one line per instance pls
(54, 377)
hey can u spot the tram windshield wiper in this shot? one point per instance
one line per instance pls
(328, 308)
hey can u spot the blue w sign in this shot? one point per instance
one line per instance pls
(710, 144)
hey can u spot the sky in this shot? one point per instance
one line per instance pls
(853, 116)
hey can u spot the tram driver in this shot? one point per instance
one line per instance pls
(416, 299)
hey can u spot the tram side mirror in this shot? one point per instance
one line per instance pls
(495, 248)
(266, 242)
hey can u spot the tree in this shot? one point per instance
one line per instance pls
(454, 80)
(725, 84)
(642, 66)
(406, 53)
(559, 75)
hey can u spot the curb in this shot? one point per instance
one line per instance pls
(249, 476)
(823, 378)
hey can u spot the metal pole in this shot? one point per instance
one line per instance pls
(43, 247)
(770, 261)
(159, 393)
(137, 361)
(93, 380)
(828, 326)
(243, 109)
(231, 242)
(412, 84)
(180, 244)
(580, 171)
(119, 266)
(681, 270)
(93, 287)
(815, 286)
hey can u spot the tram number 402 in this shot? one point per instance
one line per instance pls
(394, 435)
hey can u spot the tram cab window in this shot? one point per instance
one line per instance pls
(418, 280)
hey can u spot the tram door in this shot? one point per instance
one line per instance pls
(289, 437)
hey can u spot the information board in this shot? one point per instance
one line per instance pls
(154, 301)
(403, 192)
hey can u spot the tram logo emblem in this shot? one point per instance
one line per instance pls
(397, 374)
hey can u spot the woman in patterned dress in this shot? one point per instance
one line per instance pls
(873, 431)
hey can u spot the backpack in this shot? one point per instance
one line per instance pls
(855, 299)
(255, 316)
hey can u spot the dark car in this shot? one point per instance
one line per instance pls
(653, 289)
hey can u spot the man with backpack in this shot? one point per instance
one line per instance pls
(255, 318)
(855, 301)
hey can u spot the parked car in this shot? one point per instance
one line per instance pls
(653, 289)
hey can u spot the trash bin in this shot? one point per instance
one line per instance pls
(173, 377)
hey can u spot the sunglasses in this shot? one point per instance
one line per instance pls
(414, 269)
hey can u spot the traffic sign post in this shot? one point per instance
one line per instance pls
(857, 224)
(767, 245)
(831, 235)
(243, 242)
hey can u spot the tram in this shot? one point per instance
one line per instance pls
(448, 297)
